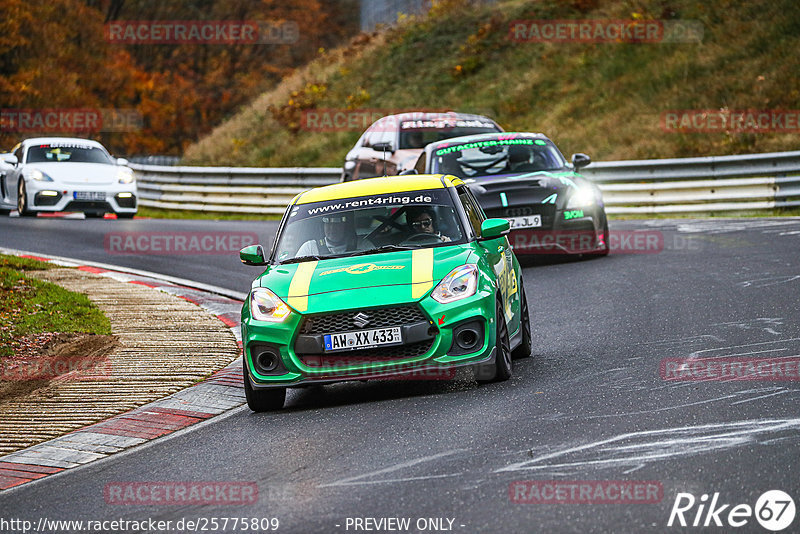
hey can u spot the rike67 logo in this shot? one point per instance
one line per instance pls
(774, 510)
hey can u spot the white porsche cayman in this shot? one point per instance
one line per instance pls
(66, 174)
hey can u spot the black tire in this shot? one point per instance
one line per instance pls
(502, 361)
(524, 348)
(262, 400)
(125, 215)
(22, 201)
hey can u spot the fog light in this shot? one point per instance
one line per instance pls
(467, 338)
(49, 193)
(125, 195)
(267, 361)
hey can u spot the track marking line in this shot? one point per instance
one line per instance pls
(397, 467)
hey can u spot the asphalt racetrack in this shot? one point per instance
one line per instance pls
(596, 402)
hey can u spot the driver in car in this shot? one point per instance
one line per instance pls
(340, 236)
(422, 220)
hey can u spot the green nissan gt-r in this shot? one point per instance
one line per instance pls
(382, 278)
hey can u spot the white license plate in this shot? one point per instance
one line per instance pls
(89, 195)
(362, 339)
(528, 221)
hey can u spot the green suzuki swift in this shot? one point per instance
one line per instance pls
(394, 277)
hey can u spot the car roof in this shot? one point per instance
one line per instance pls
(484, 137)
(48, 140)
(377, 186)
(432, 115)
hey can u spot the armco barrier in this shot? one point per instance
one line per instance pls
(227, 189)
(659, 186)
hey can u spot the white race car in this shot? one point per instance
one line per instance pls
(66, 174)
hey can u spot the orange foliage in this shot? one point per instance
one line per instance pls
(55, 54)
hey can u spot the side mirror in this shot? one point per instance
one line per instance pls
(11, 159)
(494, 228)
(580, 160)
(122, 161)
(380, 147)
(252, 255)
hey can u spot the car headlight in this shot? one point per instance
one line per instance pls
(39, 176)
(267, 306)
(125, 176)
(582, 198)
(462, 282)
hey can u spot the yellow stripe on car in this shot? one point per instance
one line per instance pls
(421, 271)
(298, 288)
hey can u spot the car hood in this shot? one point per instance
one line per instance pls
(363, 281)
(79, 173)
(532, 187)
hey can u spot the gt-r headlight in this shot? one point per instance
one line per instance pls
(582, 198)
(39, 176)
(267, 306)
(460, 283)
(125, 176)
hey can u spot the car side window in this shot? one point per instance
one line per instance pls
(421, 163)
(18, 153)
(474, 214)
(387, 135)
(375, 133)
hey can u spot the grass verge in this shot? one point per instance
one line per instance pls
(30, 306)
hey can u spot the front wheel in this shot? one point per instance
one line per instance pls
(262, 400)
(502, 361)
(22, 201)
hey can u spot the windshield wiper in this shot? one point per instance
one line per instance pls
(384, 248)
(301, 259)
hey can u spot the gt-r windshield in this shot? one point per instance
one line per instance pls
(369, 225)
(493, 157)
(63, 153)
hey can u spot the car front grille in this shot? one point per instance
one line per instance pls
(332, 323)
(366, 356)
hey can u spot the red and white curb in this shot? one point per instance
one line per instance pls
(219, 393)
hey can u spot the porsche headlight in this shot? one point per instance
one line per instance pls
(125, 176)
(267, 306)
(582, 198)
(460, 283)
(39, 176)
